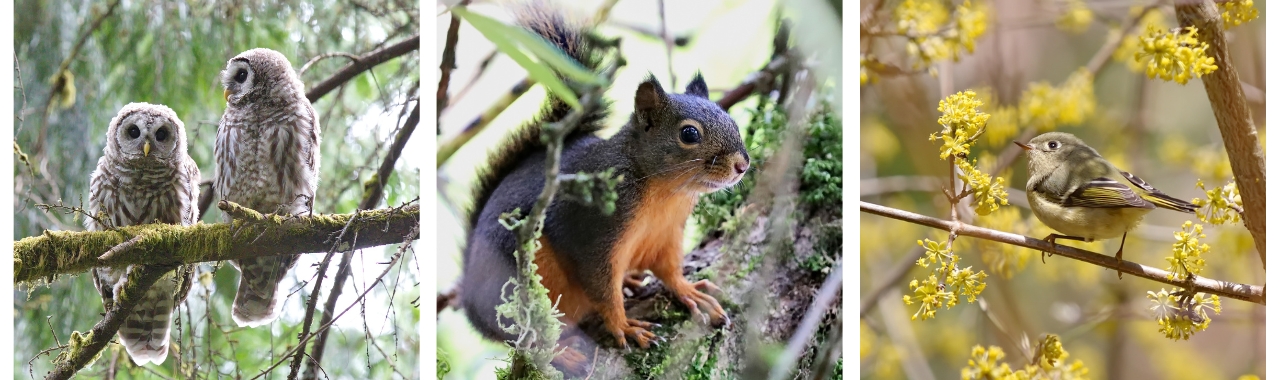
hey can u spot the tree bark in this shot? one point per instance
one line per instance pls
(253, 235)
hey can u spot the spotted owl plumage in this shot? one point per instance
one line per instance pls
(268, 159)
(144, 176)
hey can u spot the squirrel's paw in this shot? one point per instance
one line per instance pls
(637, 331)
(572, 362)
(699, 302)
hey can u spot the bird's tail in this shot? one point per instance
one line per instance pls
(145, 332)
(256, 301)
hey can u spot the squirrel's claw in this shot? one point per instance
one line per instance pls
(636, 330)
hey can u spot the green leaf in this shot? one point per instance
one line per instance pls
(552, 55)
(500, 35)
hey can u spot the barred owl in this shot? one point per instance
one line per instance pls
(144, 176)
(268, 159)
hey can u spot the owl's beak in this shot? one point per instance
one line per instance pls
(226, 95)
(146, 148)
(1023, 146)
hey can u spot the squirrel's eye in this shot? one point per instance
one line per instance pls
(241, 75)
(1053, 145)
(162, 134)
(690, 135)
(134, 132)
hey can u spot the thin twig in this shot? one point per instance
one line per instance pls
(372, 196)
(1243, 292)
(366, 62)
(63, 67)
(785, 363)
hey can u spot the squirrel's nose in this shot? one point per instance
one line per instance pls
(741, 166)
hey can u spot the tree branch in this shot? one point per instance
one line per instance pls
(1244, 292)
(66, 252)
(366, 62)
(1248, 162)
(372, 195)
(92, 343)
(38, 150)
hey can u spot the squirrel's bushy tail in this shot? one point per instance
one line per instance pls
(571, 38)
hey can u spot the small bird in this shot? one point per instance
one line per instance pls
(1079, 194)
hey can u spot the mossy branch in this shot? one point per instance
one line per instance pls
(1243, 292)
(1231, 110)
(85, 348)
(252, 235)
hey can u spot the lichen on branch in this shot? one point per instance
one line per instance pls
(67, 252)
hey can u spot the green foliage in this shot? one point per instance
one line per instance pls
(821, 178)
(513, 41)
(594, 189)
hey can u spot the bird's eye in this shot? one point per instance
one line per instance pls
(1053, 145)
(690, 135)
(241, 75)
(162, 134)
(134, 132)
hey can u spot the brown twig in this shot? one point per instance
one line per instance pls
(1231, 110)
(1243, 292)
(366, 62)
(448, 62)
(754, 82)
(372, 196)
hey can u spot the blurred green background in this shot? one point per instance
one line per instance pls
(171, 53)
(1162, 131)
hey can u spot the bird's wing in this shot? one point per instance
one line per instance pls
(1158, 198)
(1103, 192)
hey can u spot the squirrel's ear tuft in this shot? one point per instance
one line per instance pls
(649, 95)
(697, 87)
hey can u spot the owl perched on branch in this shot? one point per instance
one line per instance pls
(268, 159)
(144, 176)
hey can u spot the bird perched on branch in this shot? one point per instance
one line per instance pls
(1073, 190)
(144, 176)
(268, 159)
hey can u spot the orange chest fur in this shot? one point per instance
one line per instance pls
(655, 230)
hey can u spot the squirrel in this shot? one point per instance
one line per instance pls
(673, 148)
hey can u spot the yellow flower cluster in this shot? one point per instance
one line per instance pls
(1131, 43)
(988, 194)
(1236, 12)
(1180, 316)
(932, 294)
(933, 36)
(1176, 56)
(1077, 17)
(961, 122)
(1187, 252)
(1224, 204)
(1046, 107)
(1051, 363)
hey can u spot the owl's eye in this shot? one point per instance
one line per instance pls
(690, 135)
(241, 75)
(1053, 145)
(134, 132)
(162, 134)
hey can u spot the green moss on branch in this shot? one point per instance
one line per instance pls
(64, 252)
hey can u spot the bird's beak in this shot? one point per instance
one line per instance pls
(146, 148)
(1023, 146)
(226, 95)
